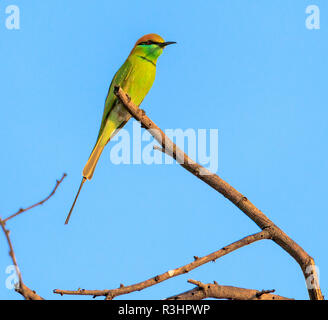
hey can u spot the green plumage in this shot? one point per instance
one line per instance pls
(135, 77)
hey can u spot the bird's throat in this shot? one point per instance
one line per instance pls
(148, 60)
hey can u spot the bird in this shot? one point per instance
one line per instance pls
(135, 77)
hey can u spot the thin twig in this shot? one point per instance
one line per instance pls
(214, 290)
(58, 182)
(11, 250)
(305, 261)
(21, 288)
(110, 294)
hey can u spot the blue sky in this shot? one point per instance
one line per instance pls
(250, 69)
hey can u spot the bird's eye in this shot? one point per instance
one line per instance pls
(147, 43)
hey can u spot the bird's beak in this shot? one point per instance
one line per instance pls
(164, 44)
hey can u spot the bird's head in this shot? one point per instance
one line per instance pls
(150, 46)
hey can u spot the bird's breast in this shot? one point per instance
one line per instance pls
(140, 80)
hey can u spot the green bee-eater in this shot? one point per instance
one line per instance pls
(135, 77)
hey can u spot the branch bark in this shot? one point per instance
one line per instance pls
(304, 260)
(214, 290)
(110, 294)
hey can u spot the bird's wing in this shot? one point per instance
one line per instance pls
(119, 79)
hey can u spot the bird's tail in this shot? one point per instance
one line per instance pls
(89, 169)
(90, 166)
(107, 134)
(70, 212)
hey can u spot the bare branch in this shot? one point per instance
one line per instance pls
(305, 261)
(58, 182)
(21, 288)
(11, 249)
(214, 290)
(26, 292)
(110, 294)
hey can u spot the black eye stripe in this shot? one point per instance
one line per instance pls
(149, 42)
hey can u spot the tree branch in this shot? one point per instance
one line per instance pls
(305, 261)
(21, 288)
(58, 182)
(214, 290)
(110, 294)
